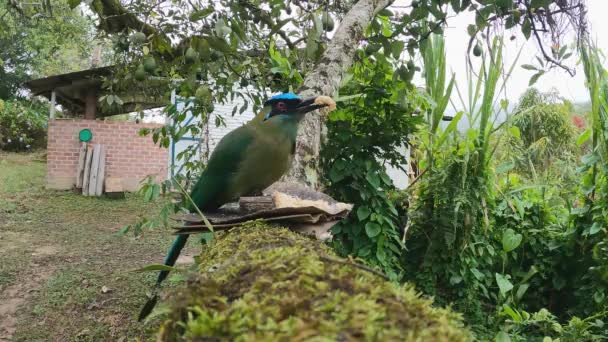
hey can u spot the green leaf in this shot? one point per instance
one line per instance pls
(455, 5)
(529, 67)
(385, 13)
(580, 210)
(504, 285)
(386, 179)
(455, 279)
(372, 229)
(591, 158)
(511, 313)
(510, 240)
(526, 28)
(73, 3)
(365, 251)
(521, 290)
(502, 337)
(124, 230)
(598, 296)
(363, 212)
(515, 132)
(478, 275)
(450, 129)
(539, 3)
(510, 22)
(198, 15)
(535, 77)
(583, 137)
(505, 167)
(397, 48)
(373, 179)
(155, 267)
(480, 19)
(595, 228)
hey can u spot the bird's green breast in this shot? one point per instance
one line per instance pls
(268, 157)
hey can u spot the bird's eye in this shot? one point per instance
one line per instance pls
(281, 105)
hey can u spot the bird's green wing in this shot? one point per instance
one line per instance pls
(211, 190)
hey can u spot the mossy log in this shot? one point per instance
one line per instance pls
(263, 283)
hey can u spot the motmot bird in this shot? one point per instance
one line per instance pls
(246, 161)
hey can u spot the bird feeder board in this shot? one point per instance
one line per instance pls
(301, 209)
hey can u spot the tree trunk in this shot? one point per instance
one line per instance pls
(325, 80)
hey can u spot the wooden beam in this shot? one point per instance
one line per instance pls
(94, 171)
(102, 171)
(87, 170)
(90, 110)
(81, 160)
(73, 103)
(52, 109)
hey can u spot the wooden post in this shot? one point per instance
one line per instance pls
(94, 173)
(101, 173)
(87, 170)
(91, 105)
(53, 102)
(81, 160)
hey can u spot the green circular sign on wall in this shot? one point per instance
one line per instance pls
(85, 135)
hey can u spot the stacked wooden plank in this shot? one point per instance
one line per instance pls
(91, 169)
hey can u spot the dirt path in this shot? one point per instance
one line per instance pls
(64, 273)
(15, 296)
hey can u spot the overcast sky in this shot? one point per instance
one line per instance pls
(569, 87)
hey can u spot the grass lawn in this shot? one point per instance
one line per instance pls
(59, 249)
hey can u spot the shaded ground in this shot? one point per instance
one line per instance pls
(58, 250)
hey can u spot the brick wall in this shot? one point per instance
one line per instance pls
(129, 157)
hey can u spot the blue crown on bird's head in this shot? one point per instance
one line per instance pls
(282, 97)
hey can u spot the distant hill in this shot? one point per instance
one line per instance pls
(582, 107)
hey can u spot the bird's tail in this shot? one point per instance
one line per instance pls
(174, 251)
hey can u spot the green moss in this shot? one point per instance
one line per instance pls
(263, 283)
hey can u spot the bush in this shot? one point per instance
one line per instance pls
(22, 125)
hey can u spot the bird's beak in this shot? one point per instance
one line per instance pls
(314, 103)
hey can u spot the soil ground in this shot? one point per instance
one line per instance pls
(65, 275)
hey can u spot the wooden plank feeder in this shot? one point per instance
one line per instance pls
(297, 207)
(91, 169)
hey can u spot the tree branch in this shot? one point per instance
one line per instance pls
(571, 72)
(325, 79)
(115, 18)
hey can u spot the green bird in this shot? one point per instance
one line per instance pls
(246, 161)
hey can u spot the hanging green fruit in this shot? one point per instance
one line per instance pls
(140, 73)
(203, 94)
(138, 38)
(371, 49)
(204, 50)
(477, 50)
(191, 55)
(516, 15)
(149, 64)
